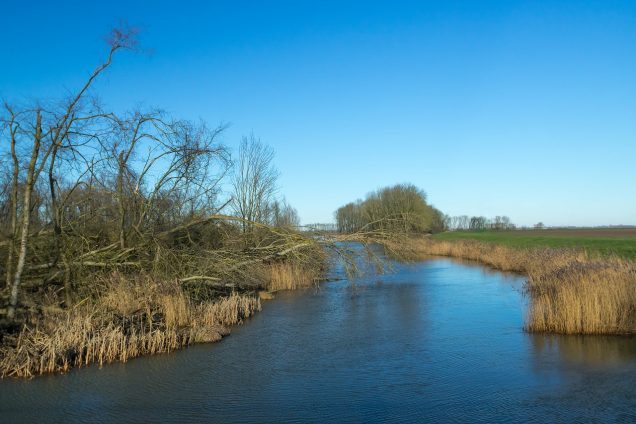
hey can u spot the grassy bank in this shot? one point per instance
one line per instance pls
(612, 241)
(571, 291)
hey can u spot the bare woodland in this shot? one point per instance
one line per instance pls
(87, 190)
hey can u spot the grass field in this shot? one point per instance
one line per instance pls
(619, 241)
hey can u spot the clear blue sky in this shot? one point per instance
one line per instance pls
(526, 109)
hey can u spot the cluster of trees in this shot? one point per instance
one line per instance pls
(476, 223)
(401, 208)
(84, 189)
(254, 187)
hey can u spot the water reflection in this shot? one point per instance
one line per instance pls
(588, 351)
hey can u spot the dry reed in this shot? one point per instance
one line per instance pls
(291, 276)
(570, 291)
(130, 318)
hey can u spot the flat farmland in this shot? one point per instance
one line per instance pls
(618, 241)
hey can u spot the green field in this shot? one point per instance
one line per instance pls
(619, 241)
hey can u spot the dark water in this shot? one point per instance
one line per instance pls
(438, 341)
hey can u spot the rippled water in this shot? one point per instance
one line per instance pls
(437, 341)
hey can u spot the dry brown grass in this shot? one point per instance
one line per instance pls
(128, 319)
(291, 276)
(571, 291)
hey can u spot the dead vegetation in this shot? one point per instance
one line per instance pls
(570, 291)
(289, 276)
(131, 317)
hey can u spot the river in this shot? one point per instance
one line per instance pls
(438, 341)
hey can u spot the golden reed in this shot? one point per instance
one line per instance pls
(291, 276)
(130, 318)
(571, 291)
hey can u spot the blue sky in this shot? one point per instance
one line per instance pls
(525, 109)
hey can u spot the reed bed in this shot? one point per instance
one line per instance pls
(571, 291)
(291, 276)
(128, 319)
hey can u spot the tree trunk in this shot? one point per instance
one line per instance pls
(120, 201)
(55, 213)
(13, 210)
(26, 218)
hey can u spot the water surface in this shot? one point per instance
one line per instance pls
(438, 341)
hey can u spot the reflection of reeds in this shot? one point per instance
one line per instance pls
(130, 318)
(571, 291)
(588, 350)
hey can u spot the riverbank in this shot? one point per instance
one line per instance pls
(571, 291)
(135, 315)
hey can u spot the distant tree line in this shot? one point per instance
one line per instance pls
(477, 223)
(400, 208)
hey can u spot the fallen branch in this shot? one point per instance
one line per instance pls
(268, 257)
(199, 277)
(107, 264)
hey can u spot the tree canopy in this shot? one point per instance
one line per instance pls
(399, 208)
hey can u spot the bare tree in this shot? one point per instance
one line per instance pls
(12, 127)
(253, 182)
(56, 134)
(283, 215)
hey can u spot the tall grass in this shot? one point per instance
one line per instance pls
(130, 317)
(570, 291)
(291, 276)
